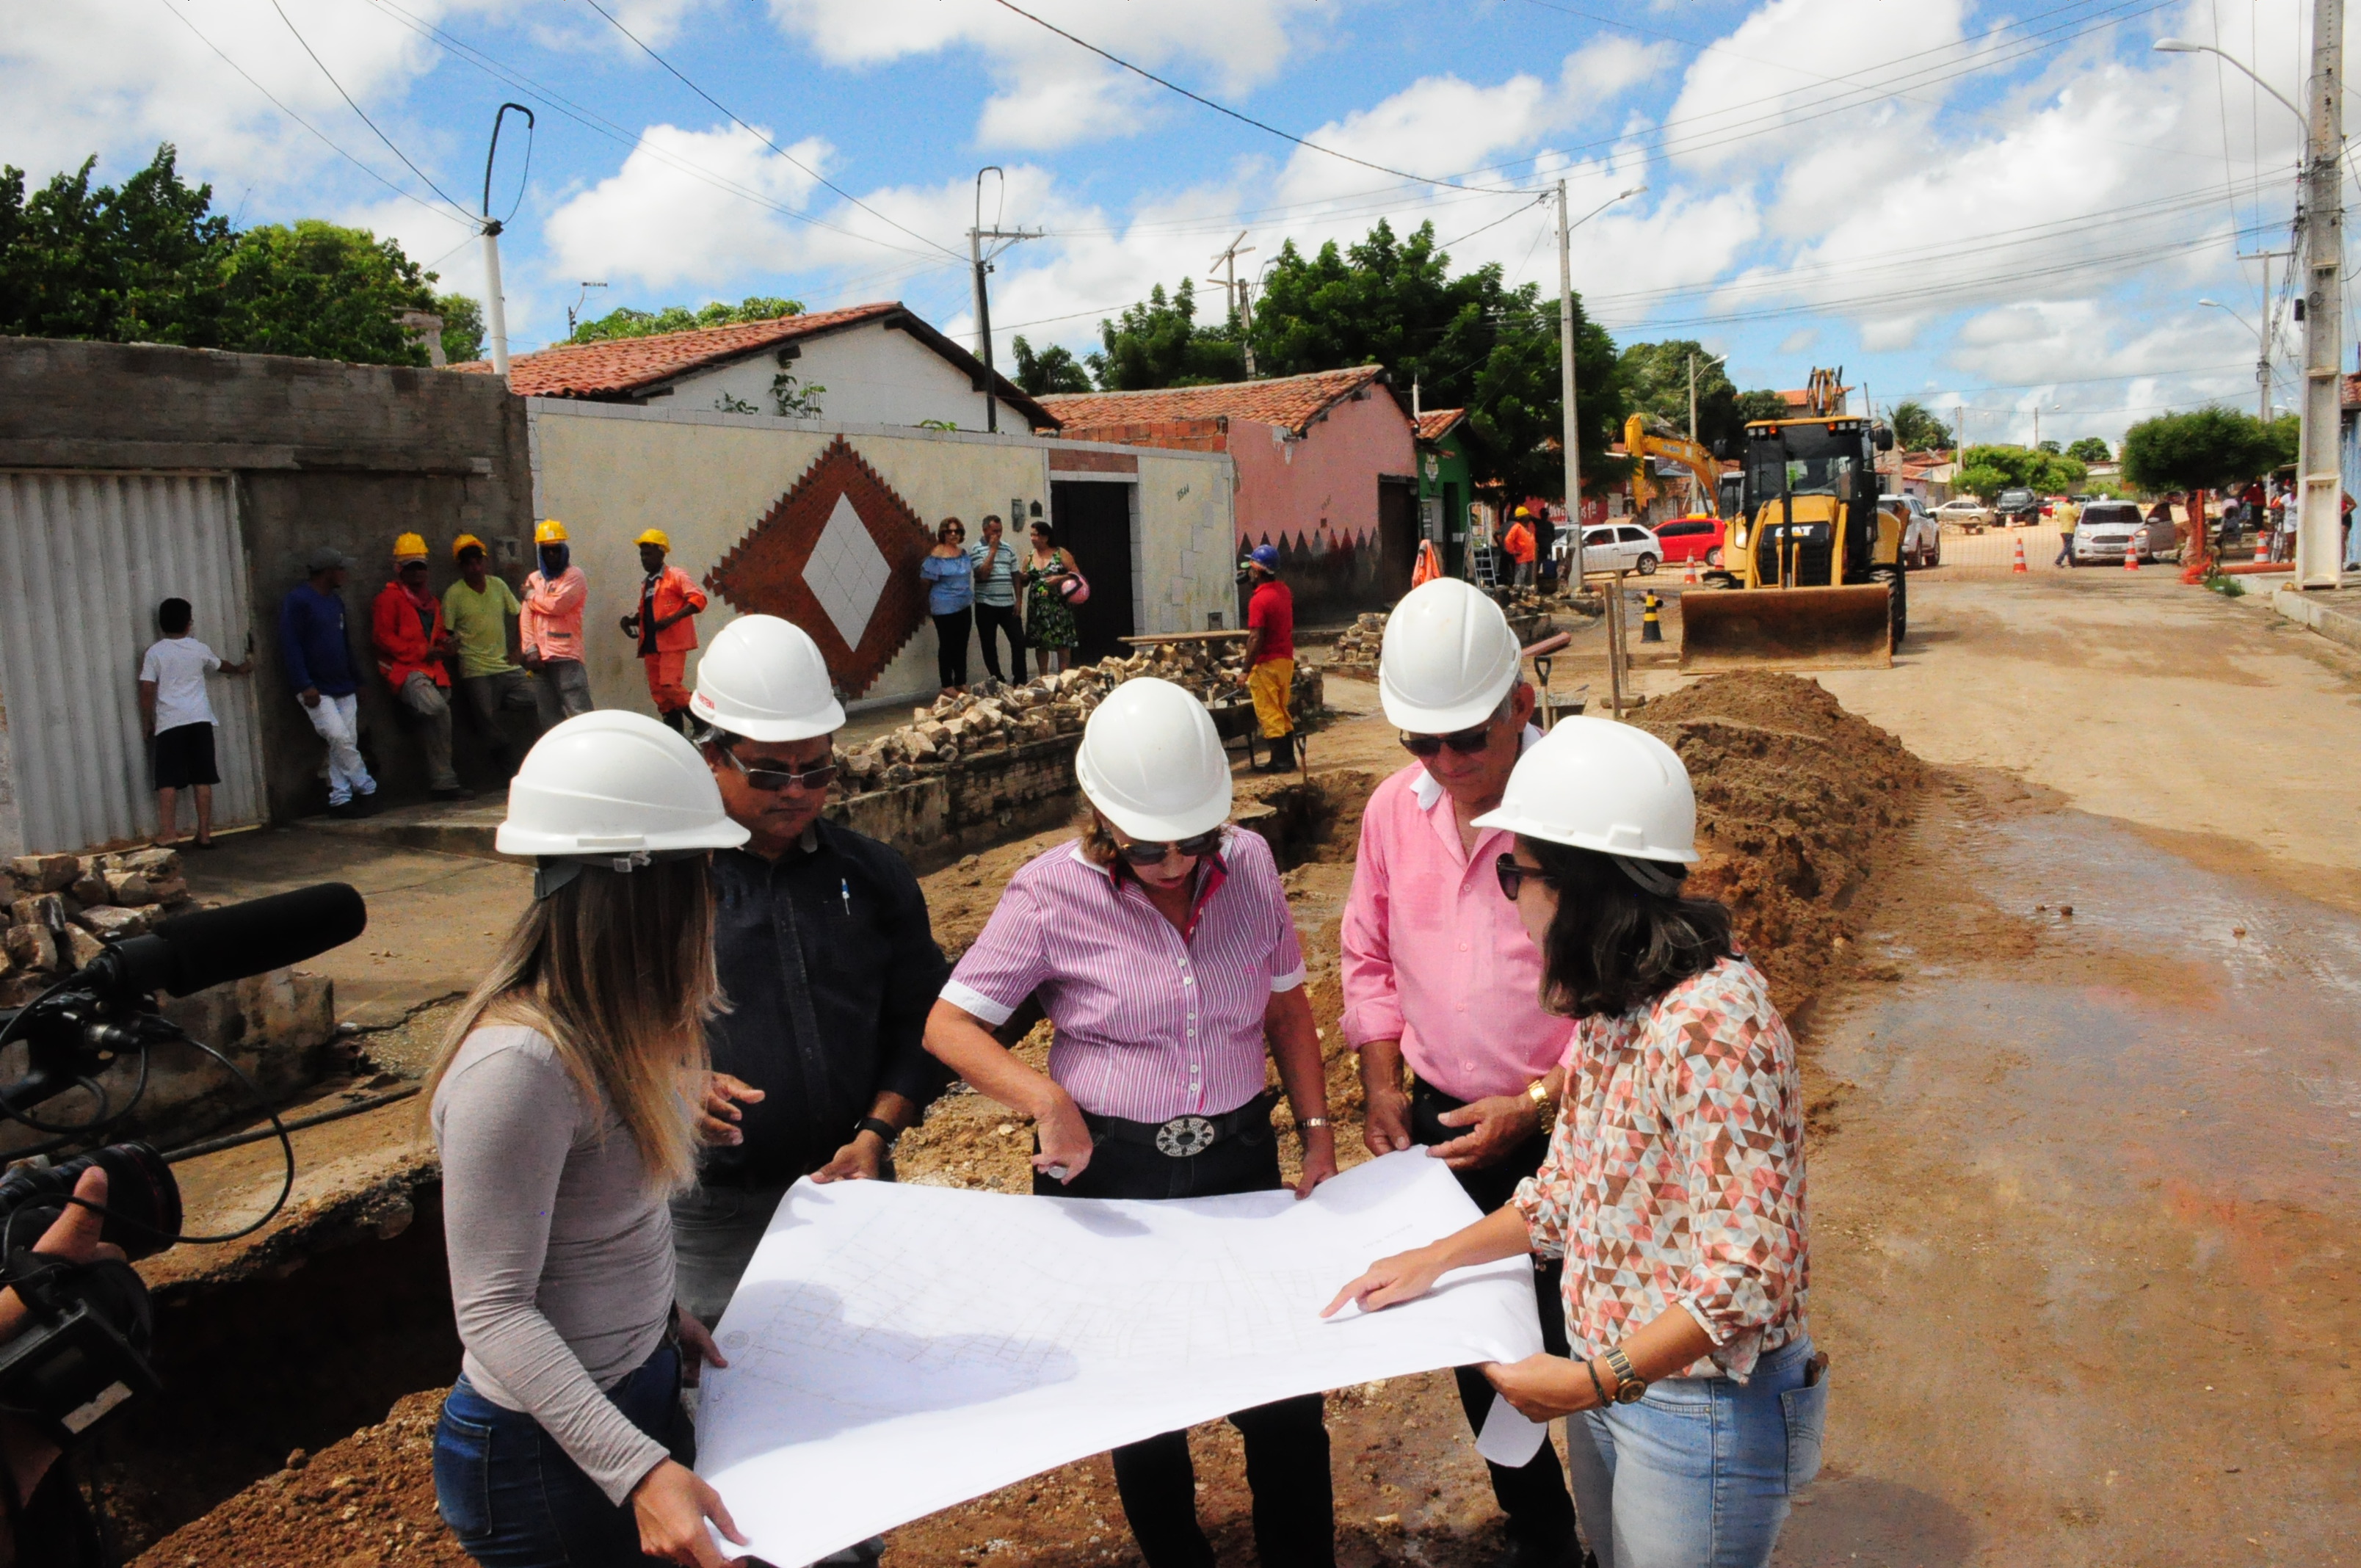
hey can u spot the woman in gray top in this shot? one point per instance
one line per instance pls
(562, 1107)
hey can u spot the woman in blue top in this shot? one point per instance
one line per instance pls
(951, 599)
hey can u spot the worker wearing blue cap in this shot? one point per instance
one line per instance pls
(1270, 656)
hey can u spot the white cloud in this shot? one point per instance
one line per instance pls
(656, 221)
(1607, 68)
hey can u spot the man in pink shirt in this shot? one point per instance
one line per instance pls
(1439, 973)
(549, 628)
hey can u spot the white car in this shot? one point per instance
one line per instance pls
(1615, 547)
(1967, 511)
(1922, 536)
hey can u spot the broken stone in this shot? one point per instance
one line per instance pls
(32, 946)
(149, 862)
(130, 889)
(89, 888)
(172, 890)
(919, 747)
(81, 948)
(112, 923)
(47, 910)
(43, 873)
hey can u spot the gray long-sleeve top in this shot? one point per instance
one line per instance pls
(560, 1248)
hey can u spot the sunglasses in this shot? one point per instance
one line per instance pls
(776, 779)
(1154, 854)
(1466, 742)
(1513, 877)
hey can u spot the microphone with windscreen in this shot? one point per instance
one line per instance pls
(189, 952)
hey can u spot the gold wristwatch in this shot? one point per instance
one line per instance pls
(1628, 1388)
(1537, 1093)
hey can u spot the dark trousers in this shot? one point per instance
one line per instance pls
(1535, 1494)
(515, 1500)
(1286, 1442)
(994, 621)
(950, 647)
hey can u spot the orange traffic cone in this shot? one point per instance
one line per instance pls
(1690, 577)
(2131, 554)
(2017, 567)
(2263, 542)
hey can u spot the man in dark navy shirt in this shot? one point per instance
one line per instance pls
(317, 651)
(825, 952)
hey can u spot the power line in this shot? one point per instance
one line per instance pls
(1496, 222)
(758, 136)
(300, 120)
(1171, 86)
(357, 109)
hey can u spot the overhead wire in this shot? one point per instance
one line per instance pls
(357, 109)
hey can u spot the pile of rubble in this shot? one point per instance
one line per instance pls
(993, 716)
(1360, 643)
(64, 904)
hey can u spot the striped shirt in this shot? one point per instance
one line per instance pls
(1150, 1024)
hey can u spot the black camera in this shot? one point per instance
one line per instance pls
(85, 1354)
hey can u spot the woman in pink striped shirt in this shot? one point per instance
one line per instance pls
(1160, 945)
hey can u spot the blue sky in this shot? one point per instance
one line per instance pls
(2008, 208)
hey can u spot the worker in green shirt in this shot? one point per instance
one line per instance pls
(478, 608)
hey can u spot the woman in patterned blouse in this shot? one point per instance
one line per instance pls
(1673, 1187)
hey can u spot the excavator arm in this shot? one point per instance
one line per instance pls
(1639, 442)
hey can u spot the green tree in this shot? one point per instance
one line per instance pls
(629, 323)
(2017, 468)
(1158, 342)
(1762, 404)
(2287, 438)
(463, 327)
(1981, 480)
(1916, 428)
(134, 264)
(1054, 370)
(1466, 341)
(1656, 381)
(2090, 449)
(2209, 449)
(321, 291)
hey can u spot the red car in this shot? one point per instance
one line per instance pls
(1692, 538)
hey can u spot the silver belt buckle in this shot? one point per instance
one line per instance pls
(1185, 1137)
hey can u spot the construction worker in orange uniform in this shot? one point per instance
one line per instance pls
(1520, 543)
(406, 625)
(665, 627)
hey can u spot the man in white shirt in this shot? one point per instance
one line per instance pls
(177, 717)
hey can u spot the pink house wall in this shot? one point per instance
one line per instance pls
(1287, 489)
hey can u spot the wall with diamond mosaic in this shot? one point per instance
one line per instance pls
(827, 527)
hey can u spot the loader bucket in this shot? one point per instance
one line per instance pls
(1787, 629)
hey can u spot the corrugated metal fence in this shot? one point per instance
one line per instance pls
(84, 560)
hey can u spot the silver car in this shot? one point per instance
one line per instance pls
(1922, 536)
(2107, 530)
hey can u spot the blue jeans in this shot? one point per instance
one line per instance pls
(1699, 1473)
(515, 1500)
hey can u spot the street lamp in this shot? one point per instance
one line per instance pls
(2262, 358)
(2182, 46)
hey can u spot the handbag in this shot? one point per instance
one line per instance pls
(1074, 587)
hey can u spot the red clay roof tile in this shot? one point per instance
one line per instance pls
(1292, 401)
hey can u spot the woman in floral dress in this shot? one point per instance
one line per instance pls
(1673, 1187)
(1048, 619)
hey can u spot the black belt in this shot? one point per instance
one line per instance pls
(1183, 1137)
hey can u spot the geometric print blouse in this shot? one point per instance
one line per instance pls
(1675, 1173)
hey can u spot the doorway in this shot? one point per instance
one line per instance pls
(1093, 519)
(1397, 535)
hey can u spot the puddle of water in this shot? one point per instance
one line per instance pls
(2241, 1070)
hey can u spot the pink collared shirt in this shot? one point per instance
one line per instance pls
(1150, 1026)
(1435, 957)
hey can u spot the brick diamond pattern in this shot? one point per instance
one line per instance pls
(837, 554)
(1675, 1173)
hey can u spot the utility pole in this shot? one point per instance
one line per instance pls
(1236, 295)
(496, 314)
(1566, 392)
(980, 263)
(2319, 487)
(572, 311)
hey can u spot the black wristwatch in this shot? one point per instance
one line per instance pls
(886, 1132)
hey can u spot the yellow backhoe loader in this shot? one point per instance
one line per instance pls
(1816, 573)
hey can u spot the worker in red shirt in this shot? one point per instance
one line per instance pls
(1520, 544)
(406, 627)
(663, 623)
(1270, 656)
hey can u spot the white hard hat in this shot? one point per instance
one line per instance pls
(1153, 764)
(764, 678)
(1593, 783)
(1449, 658)
(614, 783)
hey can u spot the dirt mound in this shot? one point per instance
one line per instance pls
(1797, 800)
(366, 1502)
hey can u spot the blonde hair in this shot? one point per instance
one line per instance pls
(616, 968)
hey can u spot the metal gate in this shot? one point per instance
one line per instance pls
(84, 560)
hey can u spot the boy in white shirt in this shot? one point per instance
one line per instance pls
(177, 716)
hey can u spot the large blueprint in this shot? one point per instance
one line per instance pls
(898, 1349)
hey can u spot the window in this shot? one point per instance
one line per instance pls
(1632, 535)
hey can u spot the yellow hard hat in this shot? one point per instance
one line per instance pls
(655, 536)
(409, 547)
(549, 531)
(1524, 511)
(464, 542)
